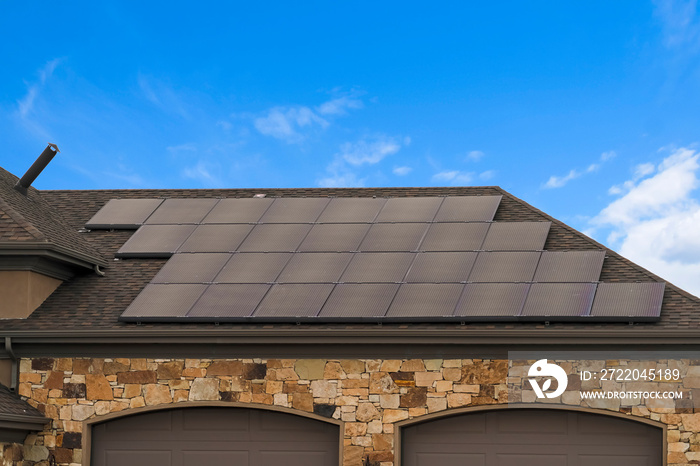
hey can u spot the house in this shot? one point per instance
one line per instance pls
(373, 326)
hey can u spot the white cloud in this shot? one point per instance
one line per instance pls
(339, 106)
(290, 123)
(453, 177)
(655, 223)
(26, 104)
(369, 151)
(402, 171)
(340, 176)
(475, 155)
(679, 21)
(285, 123)
(561, 181)
(202, 173)
(487, 175)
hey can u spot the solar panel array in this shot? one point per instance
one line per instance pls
(361, 259)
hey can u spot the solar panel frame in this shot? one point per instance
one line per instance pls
(558, 301)
(504, 266)
(275, 237)
(393, 237)
(123, 214)
(628, 302)
(424, 302)
(358, 301)
(468, 209)
(378, 267)
(441, 267)
(492, 301)
(295, 210)
(454, 237)
(351, 210)
(516, 236)
(334, 237)
(155, 241)
(191, 268)
(315, 267)
(409, 209)
(216, 238)
(293, 301)
(239, 210)
(158, 302)
(228, 302)
(181, 211)
(570, 266)
(251, 267)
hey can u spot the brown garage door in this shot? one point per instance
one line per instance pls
(532, 437)
(214, 436)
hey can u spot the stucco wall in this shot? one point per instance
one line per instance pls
(369, 396)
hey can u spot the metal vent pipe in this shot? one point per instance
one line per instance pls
(36, 168)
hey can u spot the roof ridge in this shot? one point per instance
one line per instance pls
(20, 221)
(608, 251)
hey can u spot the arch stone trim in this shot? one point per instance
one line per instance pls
(88, 423)
(399, 426)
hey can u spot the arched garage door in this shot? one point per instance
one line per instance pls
(214, 436)
(532, 437)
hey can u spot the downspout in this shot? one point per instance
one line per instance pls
(13, 357)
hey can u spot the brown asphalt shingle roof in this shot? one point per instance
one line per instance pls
(91, 302)
(25, 219)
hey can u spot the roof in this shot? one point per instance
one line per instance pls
(30, 223)
(17, 417)
(91, 305)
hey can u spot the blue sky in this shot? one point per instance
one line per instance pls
(588, 111)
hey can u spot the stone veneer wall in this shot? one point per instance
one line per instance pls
(370, 396)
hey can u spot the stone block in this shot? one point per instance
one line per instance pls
(35, 453)
(113, 368)
(427, 379)
(303, 402)
(204, 389)
(415, 397)
(382, 442)
(382, 383)
(233, 368)
(310, 369)
(324, 409)
(323, 389)
(353, 456)
(413, 365)
(353, 429)
(455, 400)
(54, 380)
(389, 416)
(30, 377)
(436, 404)
(366, 412)
(155, 394)
(170, 370)
(42, 364)
(389, 401)
(352, 366)
(97, 387)
(82, 412)
(72, 440)
(140, 377)
(333, 371)
(74, 390)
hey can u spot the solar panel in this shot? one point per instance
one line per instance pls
(275, 237)
(351, 210)
(559, 300)
(516, 236)
(334, 237)
(359, 301)
(394, 237)
(247, 210)
(454, 237)
(216, 238)
(441, 267)
(379, 267)
(425, 301)
(228, 301)
(191, 268)
(297, 300)
(181, 211)
(628, 301)
(410, 209)
(498, 267)
(315, 267)
(125, 214)
(487, 301)
(570, 266)
(155, 241)
(252, 267)
(157, 301)
(295, 210)
(468, 209)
